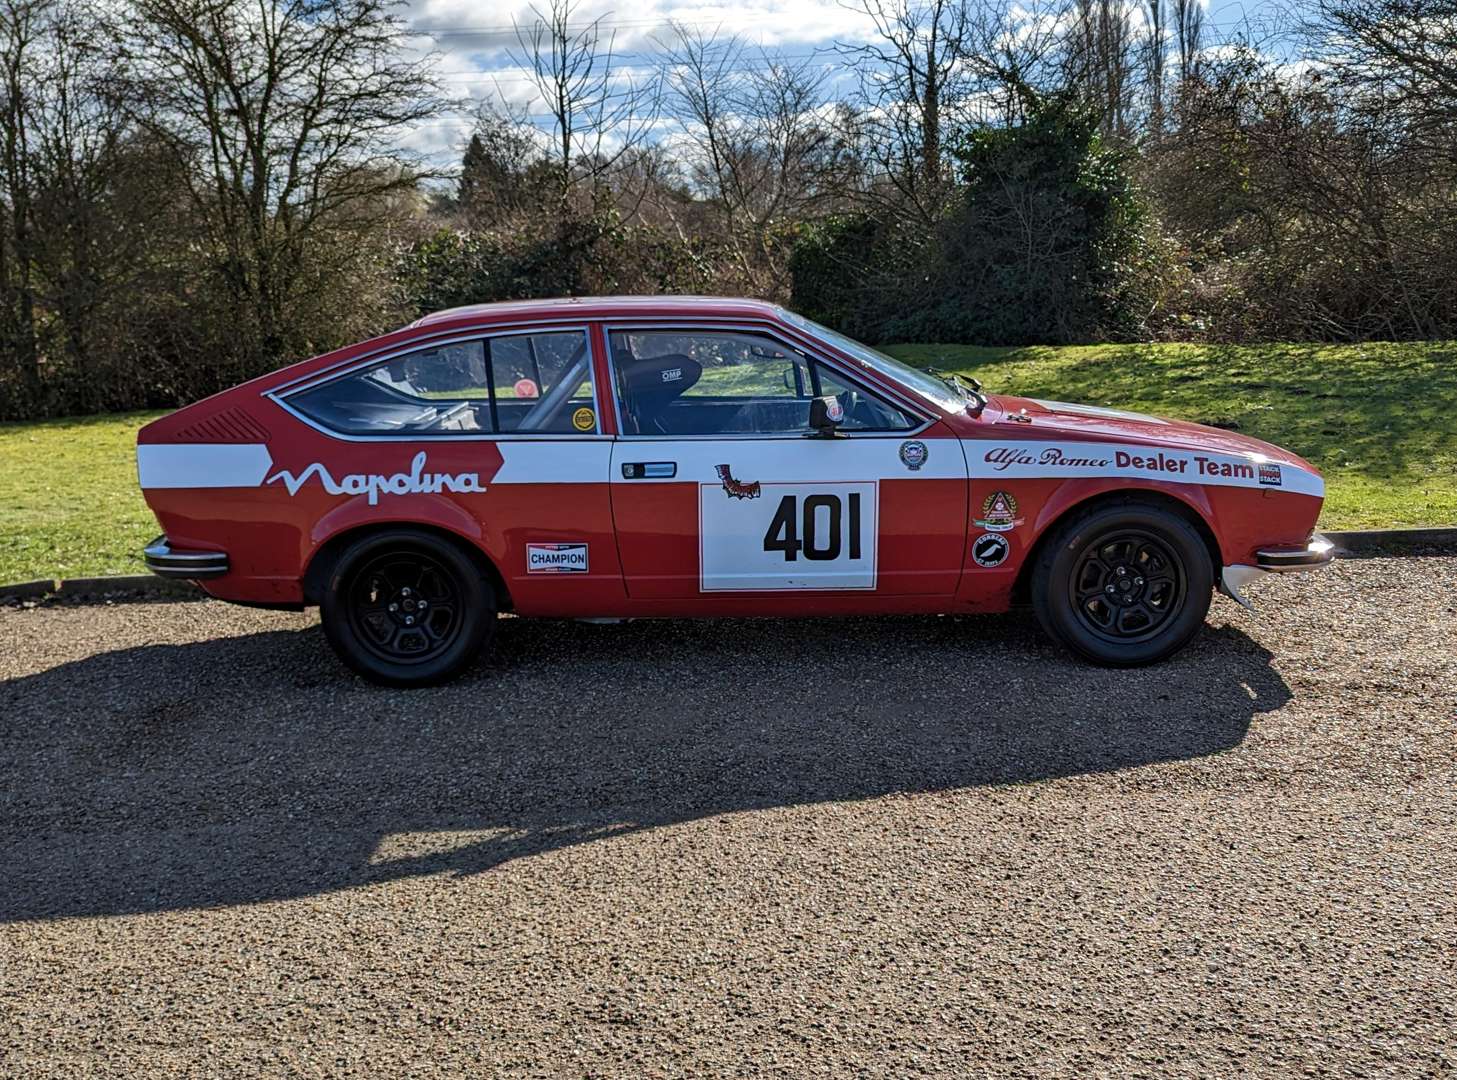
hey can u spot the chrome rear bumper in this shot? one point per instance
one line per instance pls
(165, 561)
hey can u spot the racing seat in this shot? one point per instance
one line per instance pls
(651, 384)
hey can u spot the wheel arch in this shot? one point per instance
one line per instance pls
(326, 556)
(1194, 515)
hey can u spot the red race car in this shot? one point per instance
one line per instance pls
(677, 456)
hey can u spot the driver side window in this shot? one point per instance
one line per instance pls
(687, 382)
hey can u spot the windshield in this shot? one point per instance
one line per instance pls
(926, 385)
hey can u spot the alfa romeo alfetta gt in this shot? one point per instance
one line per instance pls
(675, 457)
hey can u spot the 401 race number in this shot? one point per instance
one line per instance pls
(791, 536)
(819, 543)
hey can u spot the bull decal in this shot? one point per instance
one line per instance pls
(736, 489)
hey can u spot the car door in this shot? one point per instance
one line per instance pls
(718, 490)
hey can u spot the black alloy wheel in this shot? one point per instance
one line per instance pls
(405, 608)
(1127, 586)
(1124, 583)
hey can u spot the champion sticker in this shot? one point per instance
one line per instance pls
(584, 419)
(914, 454)
(990, 549)
(999, 512)
(556, 558)
(736, 489)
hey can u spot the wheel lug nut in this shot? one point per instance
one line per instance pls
(394, 607)
(1138, 581)
(409, 620)
(1111, 589)
(420, 604)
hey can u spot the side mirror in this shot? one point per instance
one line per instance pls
(825, 416)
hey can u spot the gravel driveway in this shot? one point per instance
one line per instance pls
(870, 847)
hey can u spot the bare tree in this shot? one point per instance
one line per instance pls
(23, 25)
(911, 75)
(68, 245)
(762, 150)
(1014, 51)
(1155, 51)
(495, 180)
(1101, 61)
(1397, 60)
(601, 114)
(1189, 36)
(284, 115)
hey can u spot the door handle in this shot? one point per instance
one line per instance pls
(649, 470)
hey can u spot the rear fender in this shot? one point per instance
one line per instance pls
(431, 513)
(434, 510)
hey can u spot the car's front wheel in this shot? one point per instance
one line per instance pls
(1125, 583)
(404, 608)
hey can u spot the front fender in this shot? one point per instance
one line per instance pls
(1074, 493)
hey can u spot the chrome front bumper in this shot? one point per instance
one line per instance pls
(1312, 556)
(1317, 552)
(165, 561)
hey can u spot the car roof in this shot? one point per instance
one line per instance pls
(605, 306)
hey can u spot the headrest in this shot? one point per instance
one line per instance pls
(668, 375)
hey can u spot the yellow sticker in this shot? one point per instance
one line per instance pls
(584, 419)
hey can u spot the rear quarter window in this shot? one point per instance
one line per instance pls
(537, 382)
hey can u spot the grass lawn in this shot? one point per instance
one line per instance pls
(1379, 420)
(69, 502)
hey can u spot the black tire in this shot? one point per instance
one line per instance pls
(404, 608)
(1123, 584)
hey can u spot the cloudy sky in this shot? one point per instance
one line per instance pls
(474, 43)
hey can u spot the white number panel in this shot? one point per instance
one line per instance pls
(761, 536)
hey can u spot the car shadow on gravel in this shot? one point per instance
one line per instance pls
(254, 768)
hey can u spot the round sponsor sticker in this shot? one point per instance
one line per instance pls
(990, 549)
(834, 410)
(526, 388)
(584, 419)
(914, 454)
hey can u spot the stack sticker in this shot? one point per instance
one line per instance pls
(556, 558)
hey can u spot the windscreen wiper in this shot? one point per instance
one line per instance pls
(972, 392)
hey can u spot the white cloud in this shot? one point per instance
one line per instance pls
(462, 29)
(477, 49)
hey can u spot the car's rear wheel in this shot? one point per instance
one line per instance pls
(404, 608)
(1122, 584)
